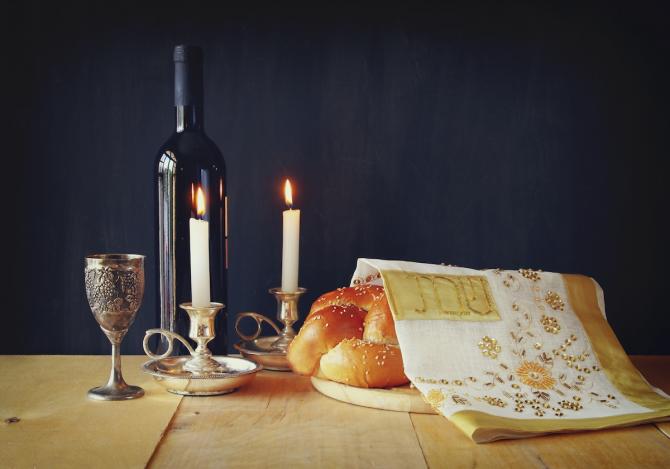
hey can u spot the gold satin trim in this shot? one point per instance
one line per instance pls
(482, 427)
(415, 296)
(613, 359)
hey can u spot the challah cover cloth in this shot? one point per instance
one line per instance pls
(511, 354)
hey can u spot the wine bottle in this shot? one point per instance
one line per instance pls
(187, 162)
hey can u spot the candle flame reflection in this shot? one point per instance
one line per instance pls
(200, 202)
(288, 194)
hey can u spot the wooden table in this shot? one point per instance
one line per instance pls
(279, 421)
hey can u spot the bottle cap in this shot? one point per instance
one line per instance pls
(186, 53)
(187, 75)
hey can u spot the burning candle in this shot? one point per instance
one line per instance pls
(199, 241)
(291, 243)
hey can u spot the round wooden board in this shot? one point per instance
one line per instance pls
(400, 399)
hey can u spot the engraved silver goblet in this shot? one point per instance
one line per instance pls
(114, 288)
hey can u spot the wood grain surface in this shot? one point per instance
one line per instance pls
(60, 427)
(326, 433)
(278, 421)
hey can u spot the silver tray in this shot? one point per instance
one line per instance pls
(260, 351)
(170, 373)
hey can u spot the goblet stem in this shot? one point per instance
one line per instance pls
(116, 377)
(116, 388)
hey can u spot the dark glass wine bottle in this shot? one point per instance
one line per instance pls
(189, 160)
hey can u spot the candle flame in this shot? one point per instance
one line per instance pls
(288, 194)
(200, 202)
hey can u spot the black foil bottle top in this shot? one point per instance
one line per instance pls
(187, 75)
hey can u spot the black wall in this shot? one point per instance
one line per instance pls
(486, 136)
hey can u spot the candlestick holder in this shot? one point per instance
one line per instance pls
(201, 373)
(270, 351)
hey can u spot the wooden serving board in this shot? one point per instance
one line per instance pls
(401, 399)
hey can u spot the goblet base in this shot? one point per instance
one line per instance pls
(107, 393)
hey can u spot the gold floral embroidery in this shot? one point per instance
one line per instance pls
(554, 300)
(510, 281)
(435, 397)
(530, 274)
(550, 373)
(494, 401)
(545, 358)
(538, 405)
(538, 401)
(368, 279)
(570, 360)
(550, 324)
(535, 375)
(445, 382)
(459, 399)
(489, 347)
(574, 404)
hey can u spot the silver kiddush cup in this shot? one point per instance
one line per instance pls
(114, 288)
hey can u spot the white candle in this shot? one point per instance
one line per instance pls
(291, 243)
(199, 241)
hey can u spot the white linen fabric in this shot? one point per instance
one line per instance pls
(535, 362)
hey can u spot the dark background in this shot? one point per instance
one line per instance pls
(484, 136)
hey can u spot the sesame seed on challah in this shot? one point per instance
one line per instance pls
(349, 337)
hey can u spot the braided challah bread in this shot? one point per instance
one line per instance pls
(349, 337)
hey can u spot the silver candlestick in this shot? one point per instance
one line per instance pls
(201, 331)
(271, 351)
(287, 314)
(200, 373)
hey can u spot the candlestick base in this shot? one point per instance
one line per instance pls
(287, 313)
(271, 351)
(200, 374)
(201, 331)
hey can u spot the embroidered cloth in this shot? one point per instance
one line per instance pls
(511, 354)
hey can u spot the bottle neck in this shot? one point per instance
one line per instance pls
(189, 117)
(188, 94)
